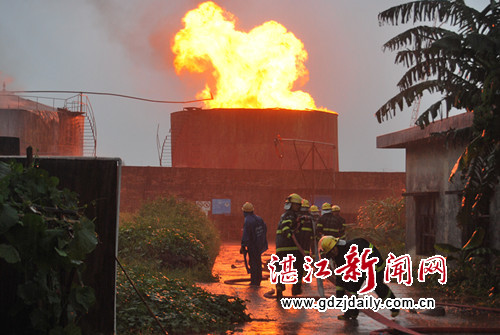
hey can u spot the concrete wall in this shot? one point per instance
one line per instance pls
(429, 161)
(266, 189)
(495, 220)
(428, 167)
(50, 133)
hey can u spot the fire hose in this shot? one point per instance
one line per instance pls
(242, 280)
(374, 315)
(245, 252)
(441, 330)
(236, 281)
(481, 308)
(141, 297)
(368, 312)
(450, 330)
(393, 326)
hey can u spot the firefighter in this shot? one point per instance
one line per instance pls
(304, 234)
(253, 242)
(315, 215)
(328, 225)
(335, 249)
(285, 243)
(340, 220)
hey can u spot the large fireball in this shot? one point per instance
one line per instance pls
(250, 70)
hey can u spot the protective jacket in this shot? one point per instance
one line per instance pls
(254, 234)
(329, 224)
(382, 290)
(305, 234)
(286, 245)
(340, 261)
(255, 240)
(341, 223)
(287, 224)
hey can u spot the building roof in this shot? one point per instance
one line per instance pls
(402, 138)
(9, 100)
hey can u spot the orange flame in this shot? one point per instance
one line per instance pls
(251, 70)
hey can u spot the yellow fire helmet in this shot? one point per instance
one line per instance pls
(327, 243)
(314, 209)
(247, 207)
(335, 208)
(305, 203)
(294, 198)
(326, 206)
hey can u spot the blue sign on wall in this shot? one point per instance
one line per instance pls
(221, 206)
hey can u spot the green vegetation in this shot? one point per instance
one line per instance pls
(462, 65)
(166, 247)
(453, 49)
(173, 213)
(181, 308)
(43, 242)
(382, 222)
(472, 274)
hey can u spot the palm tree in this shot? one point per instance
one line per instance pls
(462, 64)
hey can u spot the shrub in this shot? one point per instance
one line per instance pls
(169, 248)
(382, 222)
(43, 243)
(182, 216)
(171, 236)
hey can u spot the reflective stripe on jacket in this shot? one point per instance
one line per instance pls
(284, 241)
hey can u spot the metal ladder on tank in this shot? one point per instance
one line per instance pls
(164, 148)
(80, 103)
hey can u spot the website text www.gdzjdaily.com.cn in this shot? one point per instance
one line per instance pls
(367, 302)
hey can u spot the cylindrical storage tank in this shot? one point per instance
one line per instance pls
(263, 139)
(49, 131)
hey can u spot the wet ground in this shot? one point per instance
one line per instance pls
(270, 318)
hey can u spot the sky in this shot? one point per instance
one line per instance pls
(123, 47)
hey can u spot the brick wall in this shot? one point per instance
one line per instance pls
(266, 189)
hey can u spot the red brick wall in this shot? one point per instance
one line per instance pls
(266, 189)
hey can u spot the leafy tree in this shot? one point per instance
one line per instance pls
(462, 64)
(383, 223)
